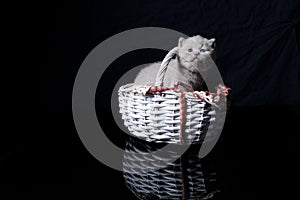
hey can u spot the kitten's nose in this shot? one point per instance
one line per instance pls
(197, 54)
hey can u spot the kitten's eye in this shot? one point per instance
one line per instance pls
(190, 50)
(202, 50)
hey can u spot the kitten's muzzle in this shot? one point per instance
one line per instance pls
(196, 58)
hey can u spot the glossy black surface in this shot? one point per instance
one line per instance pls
(156, 176)
(255, 158)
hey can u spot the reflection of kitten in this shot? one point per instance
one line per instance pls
(195, 56)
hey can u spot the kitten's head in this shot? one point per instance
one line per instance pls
(196, 53)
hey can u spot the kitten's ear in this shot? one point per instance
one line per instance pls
(180, 41)
(212, 42)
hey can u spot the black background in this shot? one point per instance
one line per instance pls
(258, 57)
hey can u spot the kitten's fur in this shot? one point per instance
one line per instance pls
(195, 55)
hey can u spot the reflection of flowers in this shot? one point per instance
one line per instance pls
(186, 178)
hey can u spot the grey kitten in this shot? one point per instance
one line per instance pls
(195, 57)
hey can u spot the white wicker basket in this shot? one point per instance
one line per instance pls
(169, 115)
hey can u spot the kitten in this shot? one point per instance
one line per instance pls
(195, 56)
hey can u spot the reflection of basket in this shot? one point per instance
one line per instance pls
(186, 178)
(162, 114)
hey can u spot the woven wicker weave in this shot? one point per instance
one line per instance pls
(187, 178)
(156, 116)
(167, 115)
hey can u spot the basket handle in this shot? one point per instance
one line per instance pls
(163, 67)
